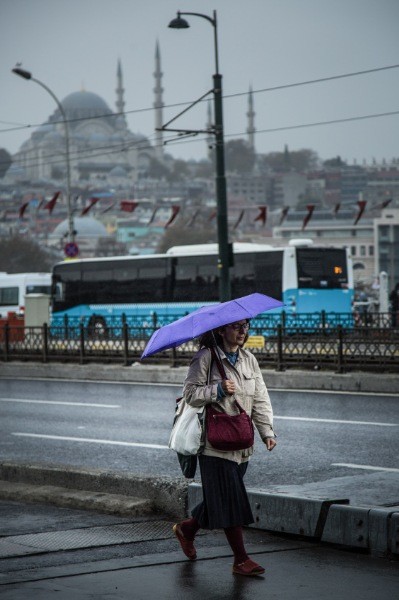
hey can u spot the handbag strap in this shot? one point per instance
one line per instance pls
(218, 361)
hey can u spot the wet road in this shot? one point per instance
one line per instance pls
(127, 426)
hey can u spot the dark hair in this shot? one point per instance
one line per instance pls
(208, 339)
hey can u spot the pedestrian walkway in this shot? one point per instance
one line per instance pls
(48, 552)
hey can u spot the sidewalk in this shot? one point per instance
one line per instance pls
(49, 552)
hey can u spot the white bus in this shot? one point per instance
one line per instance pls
(307, 278)
(15, 286)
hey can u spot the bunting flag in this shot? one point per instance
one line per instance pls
(386, 202)
(108, 207)
(154, 212)
(51, 203)
(128, 205)
(191, 221)
(92, 201)
(240, 216)
(262, 216)
(336, 208)
(284, 214)
(23, 209)
(175, 212)
(362, 205)
(310, 208)
(212, 215)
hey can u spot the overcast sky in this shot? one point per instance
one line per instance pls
(75, 44)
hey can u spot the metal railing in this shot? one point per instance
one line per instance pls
(302, 342)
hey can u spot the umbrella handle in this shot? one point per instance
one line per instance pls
(218, 361)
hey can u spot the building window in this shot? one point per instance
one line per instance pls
(371, 250)
(362, 250)
(353, 250)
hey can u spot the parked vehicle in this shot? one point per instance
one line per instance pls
(15, 286)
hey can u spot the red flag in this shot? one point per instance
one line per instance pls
(284, 214)
(212, 215)
(336, 208)
(190, 222)
(306, 220)
(92, 201)
(175, 212)
(236, 224)
(154, 212)
(128, 205)
(108, 208)
(262, 214)
(386, 202)
(51, 203)
(23, 209)
(362, 205)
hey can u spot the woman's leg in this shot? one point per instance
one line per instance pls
(236, 541)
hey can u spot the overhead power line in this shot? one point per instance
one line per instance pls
(225, 97)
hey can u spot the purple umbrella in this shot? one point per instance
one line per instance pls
(207, 318)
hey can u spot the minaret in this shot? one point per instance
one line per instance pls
(120, 103)
(251, 120)
(158, 104)
(210, 139)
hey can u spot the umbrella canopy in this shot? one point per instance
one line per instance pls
(206, 318)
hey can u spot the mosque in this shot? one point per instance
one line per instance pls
(102, 149)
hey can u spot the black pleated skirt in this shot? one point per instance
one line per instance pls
(225, 500)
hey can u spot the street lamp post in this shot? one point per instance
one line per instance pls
(221, 196)
(27, 75)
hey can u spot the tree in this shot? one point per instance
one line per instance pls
(21, 255)
(5, 161)
(240, 158)
(334, 162)
(297, 160)
(180, 235)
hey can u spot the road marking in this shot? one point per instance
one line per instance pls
(365, 467)
(90, 440)
(28, 401)
(338, 421)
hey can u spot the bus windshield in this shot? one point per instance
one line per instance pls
(320, 268)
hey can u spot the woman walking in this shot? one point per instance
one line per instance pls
(225, 502)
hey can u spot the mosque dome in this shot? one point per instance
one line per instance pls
(82, 105)
(118, 171)
(86, 227)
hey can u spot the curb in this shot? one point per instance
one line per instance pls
(326, 520)
(166, 495)
(143, 373)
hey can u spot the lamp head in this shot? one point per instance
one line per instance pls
(22, 73)
(179, 23)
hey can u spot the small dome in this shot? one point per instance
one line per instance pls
(118, 171)
(86, 227)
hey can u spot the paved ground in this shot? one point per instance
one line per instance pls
(49, 552)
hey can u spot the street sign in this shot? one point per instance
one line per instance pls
(71, 250)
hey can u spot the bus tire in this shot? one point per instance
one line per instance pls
(97, 328)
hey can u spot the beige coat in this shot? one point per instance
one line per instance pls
(251, 393)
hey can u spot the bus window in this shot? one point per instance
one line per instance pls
(321, 268)
(152, 283)
(8, 296)
(195, 279)
(243, 275)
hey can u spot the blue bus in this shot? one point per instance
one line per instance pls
(152, 290)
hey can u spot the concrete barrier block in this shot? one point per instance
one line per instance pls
(381, 530)
(348, 526)
(290, 514)
(393, 534)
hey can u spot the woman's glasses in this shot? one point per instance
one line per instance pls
(240, 326)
